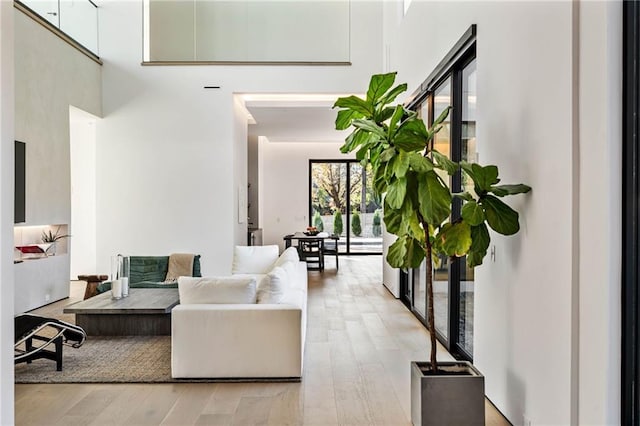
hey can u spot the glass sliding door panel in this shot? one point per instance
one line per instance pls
(420, 290)
(442, 143)
(365, 228)
(469, 153)
(329, 199)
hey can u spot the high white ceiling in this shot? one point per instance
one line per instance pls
(296, 118)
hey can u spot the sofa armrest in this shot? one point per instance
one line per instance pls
(237, 341)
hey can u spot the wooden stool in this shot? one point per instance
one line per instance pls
(92, 284)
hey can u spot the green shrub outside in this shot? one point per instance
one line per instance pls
(356, 227)
(317, 221)
(337, 223)
(377, 228)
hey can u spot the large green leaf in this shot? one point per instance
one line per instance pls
(397, 253)
(401, 164)
(344, 118)
(396, 192)
(504, 190)
(393, 93)
(387, 154)
(392, 219)
(455, 239)
(370, 126)
(443, 116)
(413, 224)
(355, 139)
(444, 163)
(500, 217)
(463, 196)
(395, 119)
(379, 180)
(411, 200)
(415, 253)
(416, 126)
(409, 142)
(485, 176)
(374, 156)
(383, 114)
(378, 86)
(405, 252)
(472, 213)
(355, 103)
(480, 241)
(411, 135)
(419, 163)
(468, 170)
(434, 198)
(361, 155)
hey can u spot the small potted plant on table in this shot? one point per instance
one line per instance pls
(49, 237)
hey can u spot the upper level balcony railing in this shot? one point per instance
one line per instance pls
(247, 32)
(78, 19)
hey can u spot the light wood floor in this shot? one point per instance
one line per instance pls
(360, 341)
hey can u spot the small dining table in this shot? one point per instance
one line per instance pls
(321, 237)
(302, 236)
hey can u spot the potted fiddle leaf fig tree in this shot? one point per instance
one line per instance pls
(408, 170)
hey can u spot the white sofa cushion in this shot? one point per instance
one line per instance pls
(289, 255)
(254, 259)
(274, 286)
(214, 290)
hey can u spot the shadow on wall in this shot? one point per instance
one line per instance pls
(515, 408)
(129, 88)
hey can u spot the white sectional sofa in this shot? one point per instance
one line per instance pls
(251, 324)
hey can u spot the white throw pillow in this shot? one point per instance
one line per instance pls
(201, 290)
(273, 287)
(289, 255)
(254, 259)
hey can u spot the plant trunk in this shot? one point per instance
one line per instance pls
(430, 310)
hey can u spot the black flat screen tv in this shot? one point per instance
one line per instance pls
(20, 171)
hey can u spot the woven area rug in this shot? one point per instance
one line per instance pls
(145, 359)
(129, 359)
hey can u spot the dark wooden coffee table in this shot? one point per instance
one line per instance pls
(145, 312)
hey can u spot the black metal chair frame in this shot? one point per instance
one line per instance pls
(312, 252)
(332, 248)
(28, 328)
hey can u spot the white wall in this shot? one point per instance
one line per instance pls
(600, 201)
(83, 193)
(284, 188)
(42, 101)
(253, 180)
(6, 211)
(526, 306)
(42, 115)
(165, 146)
(240, 173)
